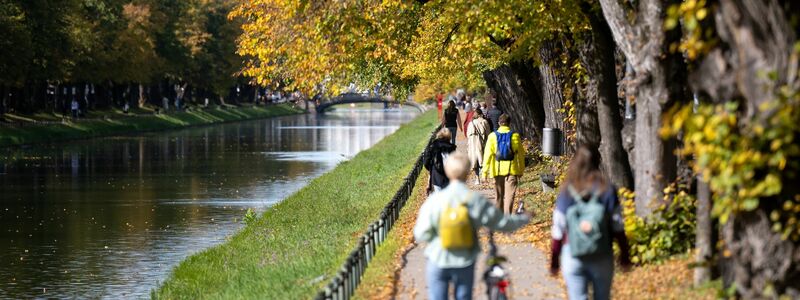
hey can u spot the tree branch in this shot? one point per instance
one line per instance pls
(447, 39)
(504, 43)
(622, 30)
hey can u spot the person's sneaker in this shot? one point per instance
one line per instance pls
(477, 181)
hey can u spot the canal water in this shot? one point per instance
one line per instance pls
(110, 217)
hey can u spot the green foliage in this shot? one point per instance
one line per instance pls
(747, 160)
(668, 231)
(121, 41)
(250, 216)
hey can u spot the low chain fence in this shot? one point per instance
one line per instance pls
(344, 284)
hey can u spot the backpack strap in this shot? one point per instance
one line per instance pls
(579, 197)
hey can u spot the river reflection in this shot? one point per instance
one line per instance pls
(109, 218)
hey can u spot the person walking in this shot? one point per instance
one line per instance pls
(477, 133)
(469, 112)
(504, 160)
(452, 120)
(74, 107)
(493, 114)
(448, 220)
(586, 217)
(434, 161)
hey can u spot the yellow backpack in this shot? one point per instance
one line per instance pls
(455, 228)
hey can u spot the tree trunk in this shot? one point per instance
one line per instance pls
(142, 96)
(760, 259)
(597, 55)
(3, 103)
(755, 37)
(552, 84)
(517, 95)
(645, 47)
(703, 234)
(587, 129)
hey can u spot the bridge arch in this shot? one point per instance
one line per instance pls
(359, 98)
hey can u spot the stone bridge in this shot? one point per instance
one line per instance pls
(359, 98)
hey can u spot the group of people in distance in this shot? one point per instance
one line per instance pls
(586, 218)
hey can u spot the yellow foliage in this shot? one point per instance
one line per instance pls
(316, 46)
(747, 161)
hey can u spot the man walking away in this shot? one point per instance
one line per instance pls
(493, 114)
(504, 160)
(448, 221)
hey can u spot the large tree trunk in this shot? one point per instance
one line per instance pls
(644, 45)
(759, 258)
(587, 129)
(552, 84)
(597, 56)
(756, 38)
(518, 96)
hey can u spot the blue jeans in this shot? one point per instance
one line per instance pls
(453, 132)
(439, 280)
(578, 273)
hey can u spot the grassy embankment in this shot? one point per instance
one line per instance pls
(114, 122)
(294, 248)
(381, 277)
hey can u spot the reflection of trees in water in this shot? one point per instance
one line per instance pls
(75, 199)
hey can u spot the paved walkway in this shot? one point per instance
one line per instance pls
(526, 264)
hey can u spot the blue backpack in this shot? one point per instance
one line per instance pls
(588, 228)
(504, 151)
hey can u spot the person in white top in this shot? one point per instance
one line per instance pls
(477, 132)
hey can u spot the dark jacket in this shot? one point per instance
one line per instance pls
(434, 162)
(451, 118)
(493, 114)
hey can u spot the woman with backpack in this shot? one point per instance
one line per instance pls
(586, 218)
(477, 132)
(434, 161)
(452, 120)
(449, 222)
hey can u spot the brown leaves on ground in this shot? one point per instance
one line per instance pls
(671, 279)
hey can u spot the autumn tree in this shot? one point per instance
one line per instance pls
(742, 134)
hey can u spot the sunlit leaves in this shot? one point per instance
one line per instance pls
(696, 40)
(746, 161)
(441, 44)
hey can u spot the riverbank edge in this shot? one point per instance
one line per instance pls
(295, 247)
(88, 129)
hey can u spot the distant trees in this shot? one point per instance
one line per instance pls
(108, 52)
